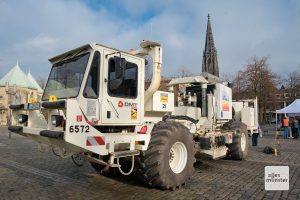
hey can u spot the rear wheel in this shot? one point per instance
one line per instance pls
(168, 162)
(238, 149)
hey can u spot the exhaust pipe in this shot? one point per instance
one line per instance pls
(204, 106)
(154, 50)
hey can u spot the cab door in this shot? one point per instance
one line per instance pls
(89, 100)
(122, 89)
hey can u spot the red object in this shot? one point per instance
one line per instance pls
(143, 130)
(88, 143)
(99, 140)
(120, 104)
(94, 140)
(79, 118)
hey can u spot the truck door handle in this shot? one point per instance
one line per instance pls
(113, 107)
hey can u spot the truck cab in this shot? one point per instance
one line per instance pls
(102, 80)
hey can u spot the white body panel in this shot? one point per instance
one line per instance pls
(161, 102)
(193, 112)
(246, 111)
(237, 106)
(223, 96)
(247, 116)
(80, 137)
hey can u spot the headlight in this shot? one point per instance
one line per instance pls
(57, 120)
(22, 118)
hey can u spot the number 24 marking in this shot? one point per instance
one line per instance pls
(77, 129)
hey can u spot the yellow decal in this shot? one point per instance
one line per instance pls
(133, 113)
(52, 98)
(164, 98)
(32, 100)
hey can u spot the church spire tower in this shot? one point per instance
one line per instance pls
(210, 59)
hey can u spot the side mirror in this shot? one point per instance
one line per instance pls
(120, 64)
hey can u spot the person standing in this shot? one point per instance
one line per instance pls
(298, 133)
(255, 135)
(285, 123)
(296, 128)
(292, 125)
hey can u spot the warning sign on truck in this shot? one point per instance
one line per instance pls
(134, 113)
(164, 98)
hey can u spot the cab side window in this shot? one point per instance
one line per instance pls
(125, 86)
(91, 89)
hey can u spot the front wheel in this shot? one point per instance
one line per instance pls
(168, 162)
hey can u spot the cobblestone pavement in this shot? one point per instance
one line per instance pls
(26, 173)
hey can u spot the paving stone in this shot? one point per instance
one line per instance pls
(26, 173)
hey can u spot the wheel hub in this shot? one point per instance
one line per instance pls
(243, 142)
(178, 157)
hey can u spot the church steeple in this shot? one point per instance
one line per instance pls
(210, 59)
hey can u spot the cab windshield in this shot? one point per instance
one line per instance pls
(66, 77)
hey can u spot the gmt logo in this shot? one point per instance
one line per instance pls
(126, 104)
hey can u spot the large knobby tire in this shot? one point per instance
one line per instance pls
(169, 159)
(238, 149)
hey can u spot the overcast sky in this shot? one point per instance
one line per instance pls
(32, 31)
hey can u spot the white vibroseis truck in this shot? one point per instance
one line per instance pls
(95, 104)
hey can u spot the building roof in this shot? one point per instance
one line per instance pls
(17, 77)
(211, 78)
(187, 80)
(33, 82)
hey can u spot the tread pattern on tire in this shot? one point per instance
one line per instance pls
(235, 151)
(153, 164)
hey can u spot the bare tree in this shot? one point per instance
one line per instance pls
(257, 80)
(292, 84)
(239, 86)
(41, 81)
(228, 77)
(183, 72)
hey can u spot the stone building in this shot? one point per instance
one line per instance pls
(17, 88)
(210, 57)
